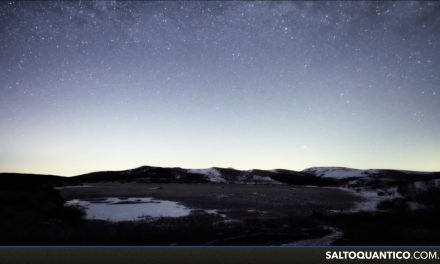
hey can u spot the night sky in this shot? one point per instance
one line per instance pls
(88, 86)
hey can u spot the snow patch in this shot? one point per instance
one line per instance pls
(421, 186)
(129, 209)
(339, 172)
(371, 198)
(212, 174)
(264, 179)
(215, 212)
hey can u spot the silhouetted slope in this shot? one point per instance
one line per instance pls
(317, 176)
(26, 181)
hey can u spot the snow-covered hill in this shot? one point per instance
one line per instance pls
(211, 174)
(339, 172)
(219, 175)
(373, 179)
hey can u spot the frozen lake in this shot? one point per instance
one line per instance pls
(129, 209)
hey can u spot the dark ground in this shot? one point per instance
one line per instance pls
(34, 214)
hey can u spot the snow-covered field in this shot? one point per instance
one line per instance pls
(129, 209)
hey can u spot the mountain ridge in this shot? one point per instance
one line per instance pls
(317, 176)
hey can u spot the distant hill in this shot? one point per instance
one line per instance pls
(316, 176)
(147, 174)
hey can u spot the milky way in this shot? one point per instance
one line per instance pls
(108, 85)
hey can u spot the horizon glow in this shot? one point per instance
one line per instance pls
(105, 85)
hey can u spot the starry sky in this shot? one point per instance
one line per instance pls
(87, 86)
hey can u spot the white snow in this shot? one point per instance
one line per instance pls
(264, 179)
(255, 211)
(130, 209)
(343, 173)
(339, 172)
(420, 186)
(212, 174)
(215, 212)
(215, 176)
(370, 198)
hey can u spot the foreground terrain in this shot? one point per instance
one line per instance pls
(174, 206)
